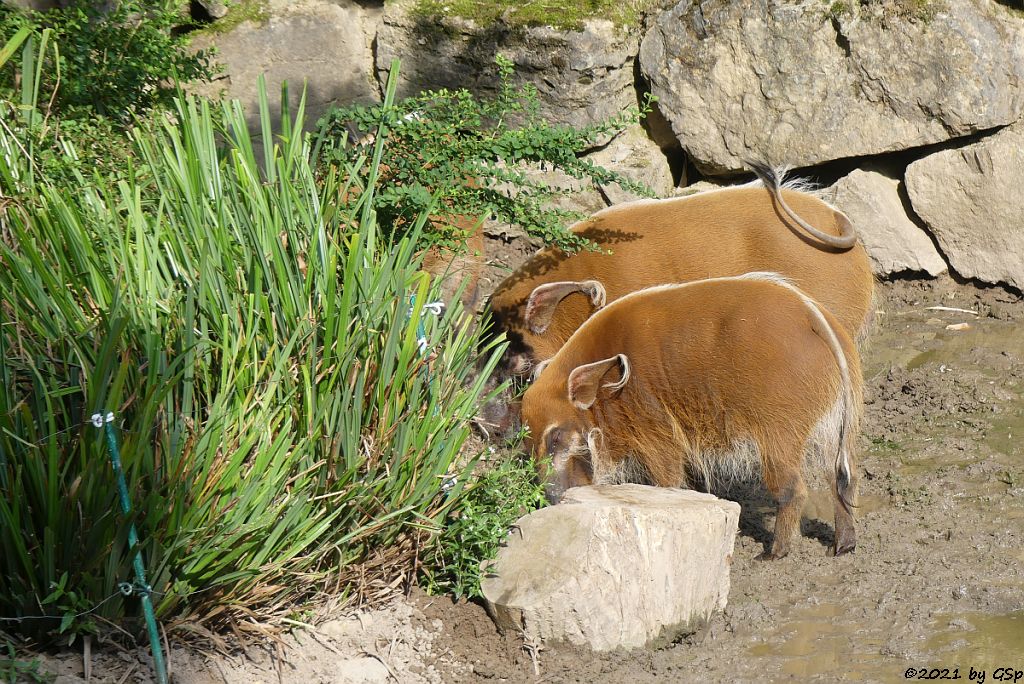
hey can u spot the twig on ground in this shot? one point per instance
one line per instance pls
(532, 649)
(951, 308)
(128, 673)
(324, 643)
(167, 654)
(87, 658)
(279, 661)
(382, 661)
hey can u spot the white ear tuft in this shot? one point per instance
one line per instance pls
(595, 290)
(626, 372)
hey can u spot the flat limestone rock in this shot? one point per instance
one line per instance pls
(893, 241)
(325, 45)
(970, 199)
(582, 77)
(614, 565)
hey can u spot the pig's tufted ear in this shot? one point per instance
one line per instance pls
(543, 301)
(585, 381)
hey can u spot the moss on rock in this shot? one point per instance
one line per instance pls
(239, 11)
(560, 15)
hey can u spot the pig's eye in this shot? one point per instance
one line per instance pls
(554, 441)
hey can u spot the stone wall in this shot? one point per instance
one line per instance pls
(906, 110)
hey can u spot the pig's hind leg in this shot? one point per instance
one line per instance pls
(785, 482)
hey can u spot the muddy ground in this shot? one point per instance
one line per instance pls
(937, 580)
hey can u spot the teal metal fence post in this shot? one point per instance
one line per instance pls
(142, 587)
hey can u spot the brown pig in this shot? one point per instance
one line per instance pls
(763, 226)
(715, 378)
(459, 268)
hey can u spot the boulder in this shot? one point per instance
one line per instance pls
(705, 185)
(637, 157)
(325, 44)
(582, 77)
(969, 199)
(894, 243)
(614, 565)
(215, 9)
(785, 83)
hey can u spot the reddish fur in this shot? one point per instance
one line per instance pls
(720, 233)
(711, 363)
(458, 266)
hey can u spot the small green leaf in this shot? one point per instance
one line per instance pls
(65, 623)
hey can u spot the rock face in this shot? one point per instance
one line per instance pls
(615, 566)
(970, 199)
(893, 242)
(784, 83)
(323, 43)
(581, 76)
(637, 157)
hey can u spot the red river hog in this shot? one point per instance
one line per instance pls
(758, 227)
(706, 379)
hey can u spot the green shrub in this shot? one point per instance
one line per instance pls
(115, 64)
(478, 524)
(281, 431)
(473, 156)
(58, 103)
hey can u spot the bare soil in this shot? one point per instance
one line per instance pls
(937, 580)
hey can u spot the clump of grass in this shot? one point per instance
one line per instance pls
(884, 444)
(837, 9)
(282, 430)
(913, 10)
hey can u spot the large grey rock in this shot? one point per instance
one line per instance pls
(893, 242)
(783, 83)
(970, 199)
(615, 565)
(581, 76)
(325, 44)
(637, 157)
(214, 8)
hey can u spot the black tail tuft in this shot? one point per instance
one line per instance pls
(765, 173)
(843, 475)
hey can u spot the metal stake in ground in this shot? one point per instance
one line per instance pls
(143, 589)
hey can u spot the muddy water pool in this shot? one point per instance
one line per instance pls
(943, 447)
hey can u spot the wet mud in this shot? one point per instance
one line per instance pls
(937, 580)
